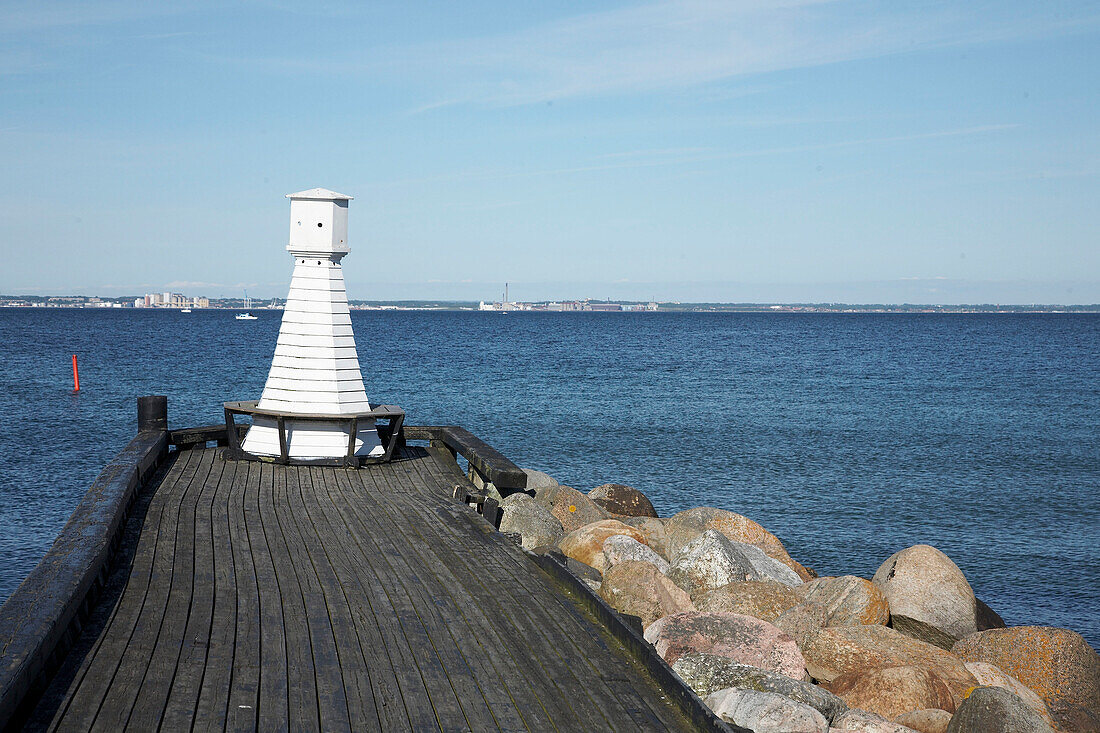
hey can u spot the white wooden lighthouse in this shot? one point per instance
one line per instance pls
(316, 367)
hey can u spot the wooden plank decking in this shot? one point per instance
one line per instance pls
(258, 596)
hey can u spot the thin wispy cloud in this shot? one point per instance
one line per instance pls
(676, 43)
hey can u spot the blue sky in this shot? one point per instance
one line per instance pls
(736, 151)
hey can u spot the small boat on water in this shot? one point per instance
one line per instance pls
(185, 310)
(247, 315)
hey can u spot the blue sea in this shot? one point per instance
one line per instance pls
(848, 436)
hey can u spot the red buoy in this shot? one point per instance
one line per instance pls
(76, 376)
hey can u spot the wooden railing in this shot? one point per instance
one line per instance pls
(484, 460)
(42, 618)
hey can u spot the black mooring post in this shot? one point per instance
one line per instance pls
(153, 413)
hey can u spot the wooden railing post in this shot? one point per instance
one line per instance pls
(153, 413)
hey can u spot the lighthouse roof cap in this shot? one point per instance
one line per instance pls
(319, 194)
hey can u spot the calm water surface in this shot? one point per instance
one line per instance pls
(849, 436)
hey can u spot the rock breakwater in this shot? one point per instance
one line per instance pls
(770, 646)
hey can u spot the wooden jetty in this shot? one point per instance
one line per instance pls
(191, 590)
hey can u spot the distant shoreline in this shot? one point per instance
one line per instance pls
(459, 306)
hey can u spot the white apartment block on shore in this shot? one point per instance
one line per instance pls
(171, 300)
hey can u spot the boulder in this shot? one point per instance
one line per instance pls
(990, 675)
(654, 531)
(766, 712)
(711, 560)
(848, 600)
(863, 721)
(620, 548)
(640, 589)
(741, 638)
(764, 599)
(530, 519)
(932, 720)
(922, 631)
(1058, 664)
(987, 618)
(707, 673)
(585, 572)
(622, 500)
(922, 583)
(891, 691)
(572, 508)
(539, 483)
(687, 525)
(585, 544)
(996, 710)
(840, 649)
(802, 622)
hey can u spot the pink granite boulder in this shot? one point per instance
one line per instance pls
(741, 638)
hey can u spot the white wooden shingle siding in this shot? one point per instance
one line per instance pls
(316, 367)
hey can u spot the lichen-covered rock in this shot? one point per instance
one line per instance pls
(687, 525)
(708, 673)
(530, 519)
(586, 543)
(996, 710)
(802, 622)
(924, 584)
(654, 531)
(572, 508)
(640, 589)
(740, 638)
(840, 649)
(764, 599)
(766, 712)
(1058, 664)
(990, 675)
(622, 500)
(712, 560)
(891, 691)
(932, 720)
(863, 721)
(620, 548)
(847, 600)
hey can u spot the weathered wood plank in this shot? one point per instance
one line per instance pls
(211, 706)
(437, 616)
(289, 597)
(132, 652)
(244, 685)
(482, 642)
(352, 666)
(301, 680)
(381, 647)
(523, 621)
(332, 710)
(556, 621)
(442, 696)
(274, 693)
(159, 699)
